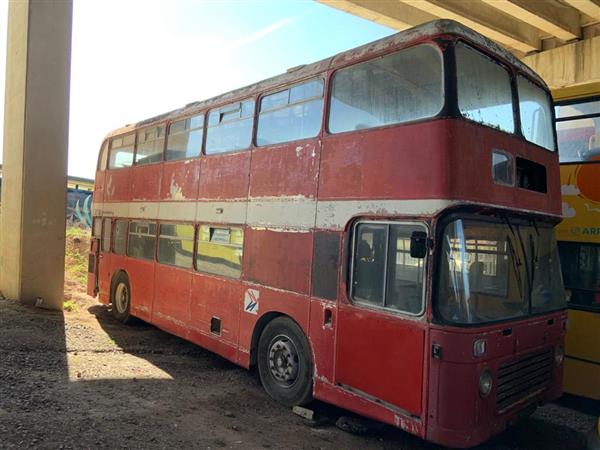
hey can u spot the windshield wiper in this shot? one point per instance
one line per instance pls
(517, 236)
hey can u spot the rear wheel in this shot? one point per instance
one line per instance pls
(121, 298)
(285, 363)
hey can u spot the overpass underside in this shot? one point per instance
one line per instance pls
(559, 39)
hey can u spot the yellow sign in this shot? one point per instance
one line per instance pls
(580, 188)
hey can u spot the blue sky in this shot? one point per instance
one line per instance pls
(132, 59)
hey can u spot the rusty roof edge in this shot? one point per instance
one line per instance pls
(429, 29)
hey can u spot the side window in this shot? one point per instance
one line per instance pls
(97, 227)
(176, 244)
(185, 138)
(230, 127)
(220, 250)
(484, 91)
(121, 151)
(150, 143)
(580, 263)
(400, 87)
(142, 236)
(120, 237)
(103, 156)
(291, 114)
(383, 272)
(106, 232)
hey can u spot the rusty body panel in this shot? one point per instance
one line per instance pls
(297, 203)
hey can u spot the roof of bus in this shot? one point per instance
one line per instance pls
(295, 74)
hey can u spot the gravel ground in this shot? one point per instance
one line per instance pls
(81, 380)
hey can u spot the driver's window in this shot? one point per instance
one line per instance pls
(384, 273)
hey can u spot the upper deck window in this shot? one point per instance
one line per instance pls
(291, 114)
(185, 138)
(578, 131)
(536, 114)
(230, 127)
(396, 88)
(121, 151)
(150, 145)
(484, 91)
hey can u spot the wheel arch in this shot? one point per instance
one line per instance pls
(260, 325)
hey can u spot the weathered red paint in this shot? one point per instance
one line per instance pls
(278, 259)
(285, 170)
(374, 362)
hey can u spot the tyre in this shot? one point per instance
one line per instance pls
(285, 363)
(121, 298)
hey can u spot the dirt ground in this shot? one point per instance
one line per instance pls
(81, 380)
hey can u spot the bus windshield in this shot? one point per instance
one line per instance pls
(498, 269)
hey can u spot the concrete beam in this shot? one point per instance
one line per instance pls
(389, 13)
(32, 223)
(552, 17)
(485, 19)
(589, 7)
(569, 66)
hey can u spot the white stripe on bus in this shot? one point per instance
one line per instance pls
(288, 212)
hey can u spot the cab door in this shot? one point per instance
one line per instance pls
(381, 330)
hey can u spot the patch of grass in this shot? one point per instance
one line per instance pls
(69, 305)
(76, 255)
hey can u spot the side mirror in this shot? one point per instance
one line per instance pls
(418, 244)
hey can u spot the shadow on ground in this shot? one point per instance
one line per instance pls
(83, 380)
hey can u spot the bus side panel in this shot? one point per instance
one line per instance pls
(386, 163)
(582, 362)
(117, 263)
(323, 320)
(99, 186)
(141, 281)
(285, 170)
(268, 300)
(279, 259)
(117, 187)
(171, 307)
(224, 176)
(215, 299)
(180, 180)
(145, 182)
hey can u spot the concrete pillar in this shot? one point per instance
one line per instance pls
(36, 121)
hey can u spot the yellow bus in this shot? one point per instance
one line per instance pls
(578, 133)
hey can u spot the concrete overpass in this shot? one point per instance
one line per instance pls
(559, 39)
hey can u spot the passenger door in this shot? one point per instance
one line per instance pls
(93, 257)
(104, 259)
(381, 331)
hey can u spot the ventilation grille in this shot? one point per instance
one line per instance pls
(522, 377)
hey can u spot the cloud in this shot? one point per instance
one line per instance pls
(569, 190)
(567, 211)
(261, 33)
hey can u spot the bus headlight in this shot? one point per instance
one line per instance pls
(485, 383)
(559, 355)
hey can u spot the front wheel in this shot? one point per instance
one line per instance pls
(121, 298)
(285, 363)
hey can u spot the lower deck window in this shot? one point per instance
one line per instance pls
(142, 236)
(120, 237)
(220, 250)
(176, 244)
(384, 274)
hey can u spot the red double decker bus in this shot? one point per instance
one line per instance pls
(374, 230)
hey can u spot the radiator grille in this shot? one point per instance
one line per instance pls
(520, 378)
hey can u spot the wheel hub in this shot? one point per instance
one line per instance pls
(121, 298)
(283, 361)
